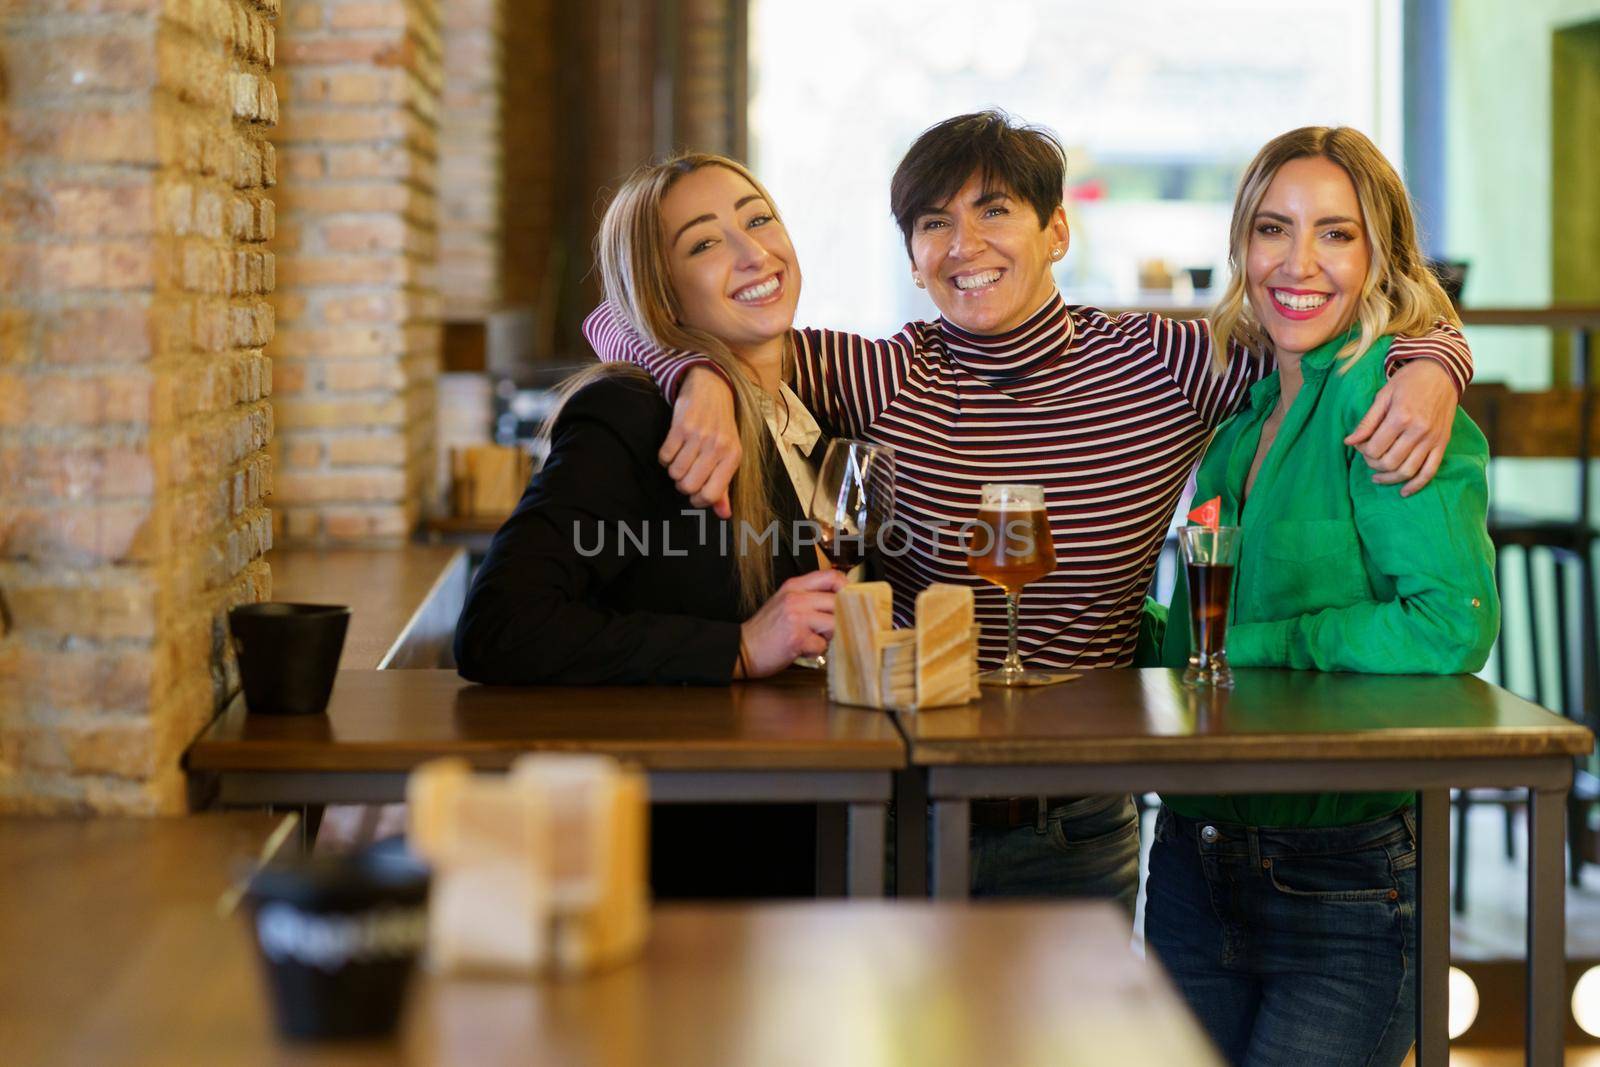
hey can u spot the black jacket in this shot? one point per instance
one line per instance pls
(605, 573)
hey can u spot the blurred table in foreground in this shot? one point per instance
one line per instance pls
(841, 984)
(1278, 731)
(116, 953)
(113, 948)
(775, 741)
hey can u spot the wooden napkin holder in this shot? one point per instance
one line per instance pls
(873, 665)
(541, 869)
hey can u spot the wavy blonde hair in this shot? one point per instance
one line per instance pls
(631, 252)
(1399, 295)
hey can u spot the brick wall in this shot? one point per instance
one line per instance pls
(357, 346)
(133, 418)
(470, 159)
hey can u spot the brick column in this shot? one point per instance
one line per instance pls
(470, 159)
(133, 419)
(357, 348)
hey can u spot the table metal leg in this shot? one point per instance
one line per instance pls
(911, 833)
(1547, 1001)
(865, 844)
(832, 851)
(1433, 928)
(952, 841)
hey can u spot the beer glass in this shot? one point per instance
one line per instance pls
(852, 502)
(1209, 555)
(1010, 545)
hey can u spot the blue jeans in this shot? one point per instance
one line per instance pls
(1088, 848)
(1293, 946)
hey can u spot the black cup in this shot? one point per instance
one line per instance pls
(339, 937)
(1200, 278)
(288, 655)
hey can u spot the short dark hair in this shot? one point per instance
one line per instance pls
(1026, 161)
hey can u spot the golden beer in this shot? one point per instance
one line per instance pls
(1011, 546)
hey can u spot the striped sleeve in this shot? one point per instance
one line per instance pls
(847, 380)
(1186, 346)
(614, 341)
(1444, 343)
(1186, 349)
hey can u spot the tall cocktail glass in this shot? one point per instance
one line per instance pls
(1209, 556)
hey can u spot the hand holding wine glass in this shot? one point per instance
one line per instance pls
(852, 503)
(854, 499)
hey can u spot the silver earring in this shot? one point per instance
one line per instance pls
(1056, 253)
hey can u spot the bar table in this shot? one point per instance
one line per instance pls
(1278, 731)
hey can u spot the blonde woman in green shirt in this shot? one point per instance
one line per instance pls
(1287, 920)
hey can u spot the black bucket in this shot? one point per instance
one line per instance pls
(339, 937)
(288, 655)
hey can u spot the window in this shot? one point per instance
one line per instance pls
(1160, 106)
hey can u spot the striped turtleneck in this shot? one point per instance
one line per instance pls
(1044, 336)
(1108, 414)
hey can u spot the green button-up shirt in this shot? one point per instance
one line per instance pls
(1337, 573)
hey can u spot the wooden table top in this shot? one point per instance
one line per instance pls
(843, 984)
(385, 586)
(143, 969)
(1117, 716)
(111, 937)
(393, 720)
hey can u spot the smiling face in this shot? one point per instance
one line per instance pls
(985, 259)
(1308, 255)
(729, 259)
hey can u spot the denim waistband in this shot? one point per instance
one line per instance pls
(1234, 839)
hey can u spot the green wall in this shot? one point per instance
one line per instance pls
(1522, 163)
(1498, 142)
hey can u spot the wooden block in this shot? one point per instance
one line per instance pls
(489, 479)
(860, 614)
(491, 917)
(897, 687)
(574, 795)
(945, 654)
(977, 687)
(544, 866)
(431, 793)
(612, 928)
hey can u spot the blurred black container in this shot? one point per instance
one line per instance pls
(288, 655)
(339, 937)
(1452, 275)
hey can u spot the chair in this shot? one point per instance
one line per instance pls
(1570, 545)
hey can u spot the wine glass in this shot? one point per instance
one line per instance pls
(1010, 545)
(853, 501)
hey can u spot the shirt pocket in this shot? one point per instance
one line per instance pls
(1307, 566)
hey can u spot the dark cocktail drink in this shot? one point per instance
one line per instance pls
(1209, 556)
(1210, 591)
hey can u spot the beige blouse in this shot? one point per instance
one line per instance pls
(795, 433)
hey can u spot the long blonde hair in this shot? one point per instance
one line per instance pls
(631, 252)
(1399, 295)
